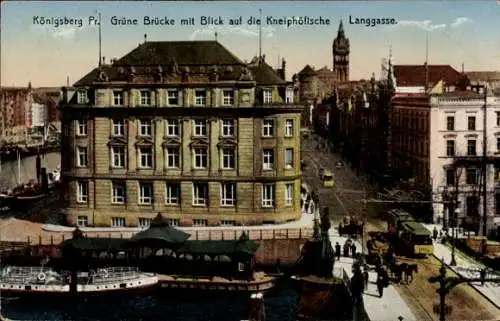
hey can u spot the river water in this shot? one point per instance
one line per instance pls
(9, 170)
(280, 306)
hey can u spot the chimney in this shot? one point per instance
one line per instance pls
(103, 60)
(145, 37)
(283, 68)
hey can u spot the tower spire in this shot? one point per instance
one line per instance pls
(341, 29)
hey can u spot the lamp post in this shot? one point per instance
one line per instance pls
(453, 231)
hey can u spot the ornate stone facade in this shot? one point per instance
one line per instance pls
(198, 136)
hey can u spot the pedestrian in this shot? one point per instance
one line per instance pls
(340, 228)
(346, 249)
(435, 234)
(483, 276)
(366, 276)
(357, 286)
(380, 283)
(337, 250)
(353, 249)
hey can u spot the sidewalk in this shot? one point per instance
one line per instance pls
(387, 308)
(468, 268)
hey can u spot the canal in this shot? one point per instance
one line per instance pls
(9, 170)
(280, 306)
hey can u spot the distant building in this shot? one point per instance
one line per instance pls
(185, 129)
(488, 78)
(415, 79)
(316, 85)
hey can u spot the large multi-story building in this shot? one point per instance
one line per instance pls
(185, 129)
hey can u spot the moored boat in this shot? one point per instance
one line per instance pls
(19, 281)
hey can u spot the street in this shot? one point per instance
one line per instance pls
(345, 199)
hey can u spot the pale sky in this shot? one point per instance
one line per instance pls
(459, 32)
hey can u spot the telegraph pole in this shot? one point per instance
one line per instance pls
(484, 162)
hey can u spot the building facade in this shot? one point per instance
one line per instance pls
(185, 129)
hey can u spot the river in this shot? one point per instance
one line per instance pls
(9, 170)
(280, 306)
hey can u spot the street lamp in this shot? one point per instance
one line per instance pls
(453, 231)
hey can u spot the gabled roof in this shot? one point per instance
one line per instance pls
(415, 75)
(182, 52)
(264, 74)
(307, 70)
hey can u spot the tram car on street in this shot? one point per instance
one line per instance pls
(407, 235)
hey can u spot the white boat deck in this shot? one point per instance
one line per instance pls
(390, 306)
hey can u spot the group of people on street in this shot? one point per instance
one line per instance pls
(349, 249)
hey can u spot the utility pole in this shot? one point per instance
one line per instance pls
(484, 162)
(448, 283)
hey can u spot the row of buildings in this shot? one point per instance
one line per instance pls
(425, 126)
(26, 113)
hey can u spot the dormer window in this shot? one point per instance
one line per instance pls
(145, 96)
(267, 96)
(289, 95)
(82, 97)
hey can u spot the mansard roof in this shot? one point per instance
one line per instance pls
(264, 74)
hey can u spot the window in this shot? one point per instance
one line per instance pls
(450, 148)
(145, 157)
(200, 97)
(289, 96)
(471, 123)
(289, 194)
(450, 123)
(145, 128)
(82, 97)
(228, 194)
(450, 177)
(118, 221)
(81, 127)
(227, 98)
(118, 98)
(241, 267)
(268, 159)
(118, 193)
(289, 128)
(227, 223)
(267, 96)
(173, 157)
(472, 206)
(145, 96)
(200, 158)
(174, 221)
(82, 221)
(228, 158)
(144, 222)
(200, 127)
(82, 192)
(471, 147)
(118, 156)
(267, 128)
(200, 194)
(498, 144)
(173, 97)
(471, 176)
(200, 222)
(227, 128)
(145, 193)
(268, 195)
(173, 128)
(82, 157)
(498, 118)
(118, 127)
(172, 193)
(289, 158)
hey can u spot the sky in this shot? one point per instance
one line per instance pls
(458, 32)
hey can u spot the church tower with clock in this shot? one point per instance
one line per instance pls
(341, 49)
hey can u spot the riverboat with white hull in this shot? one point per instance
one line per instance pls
(20, 281)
